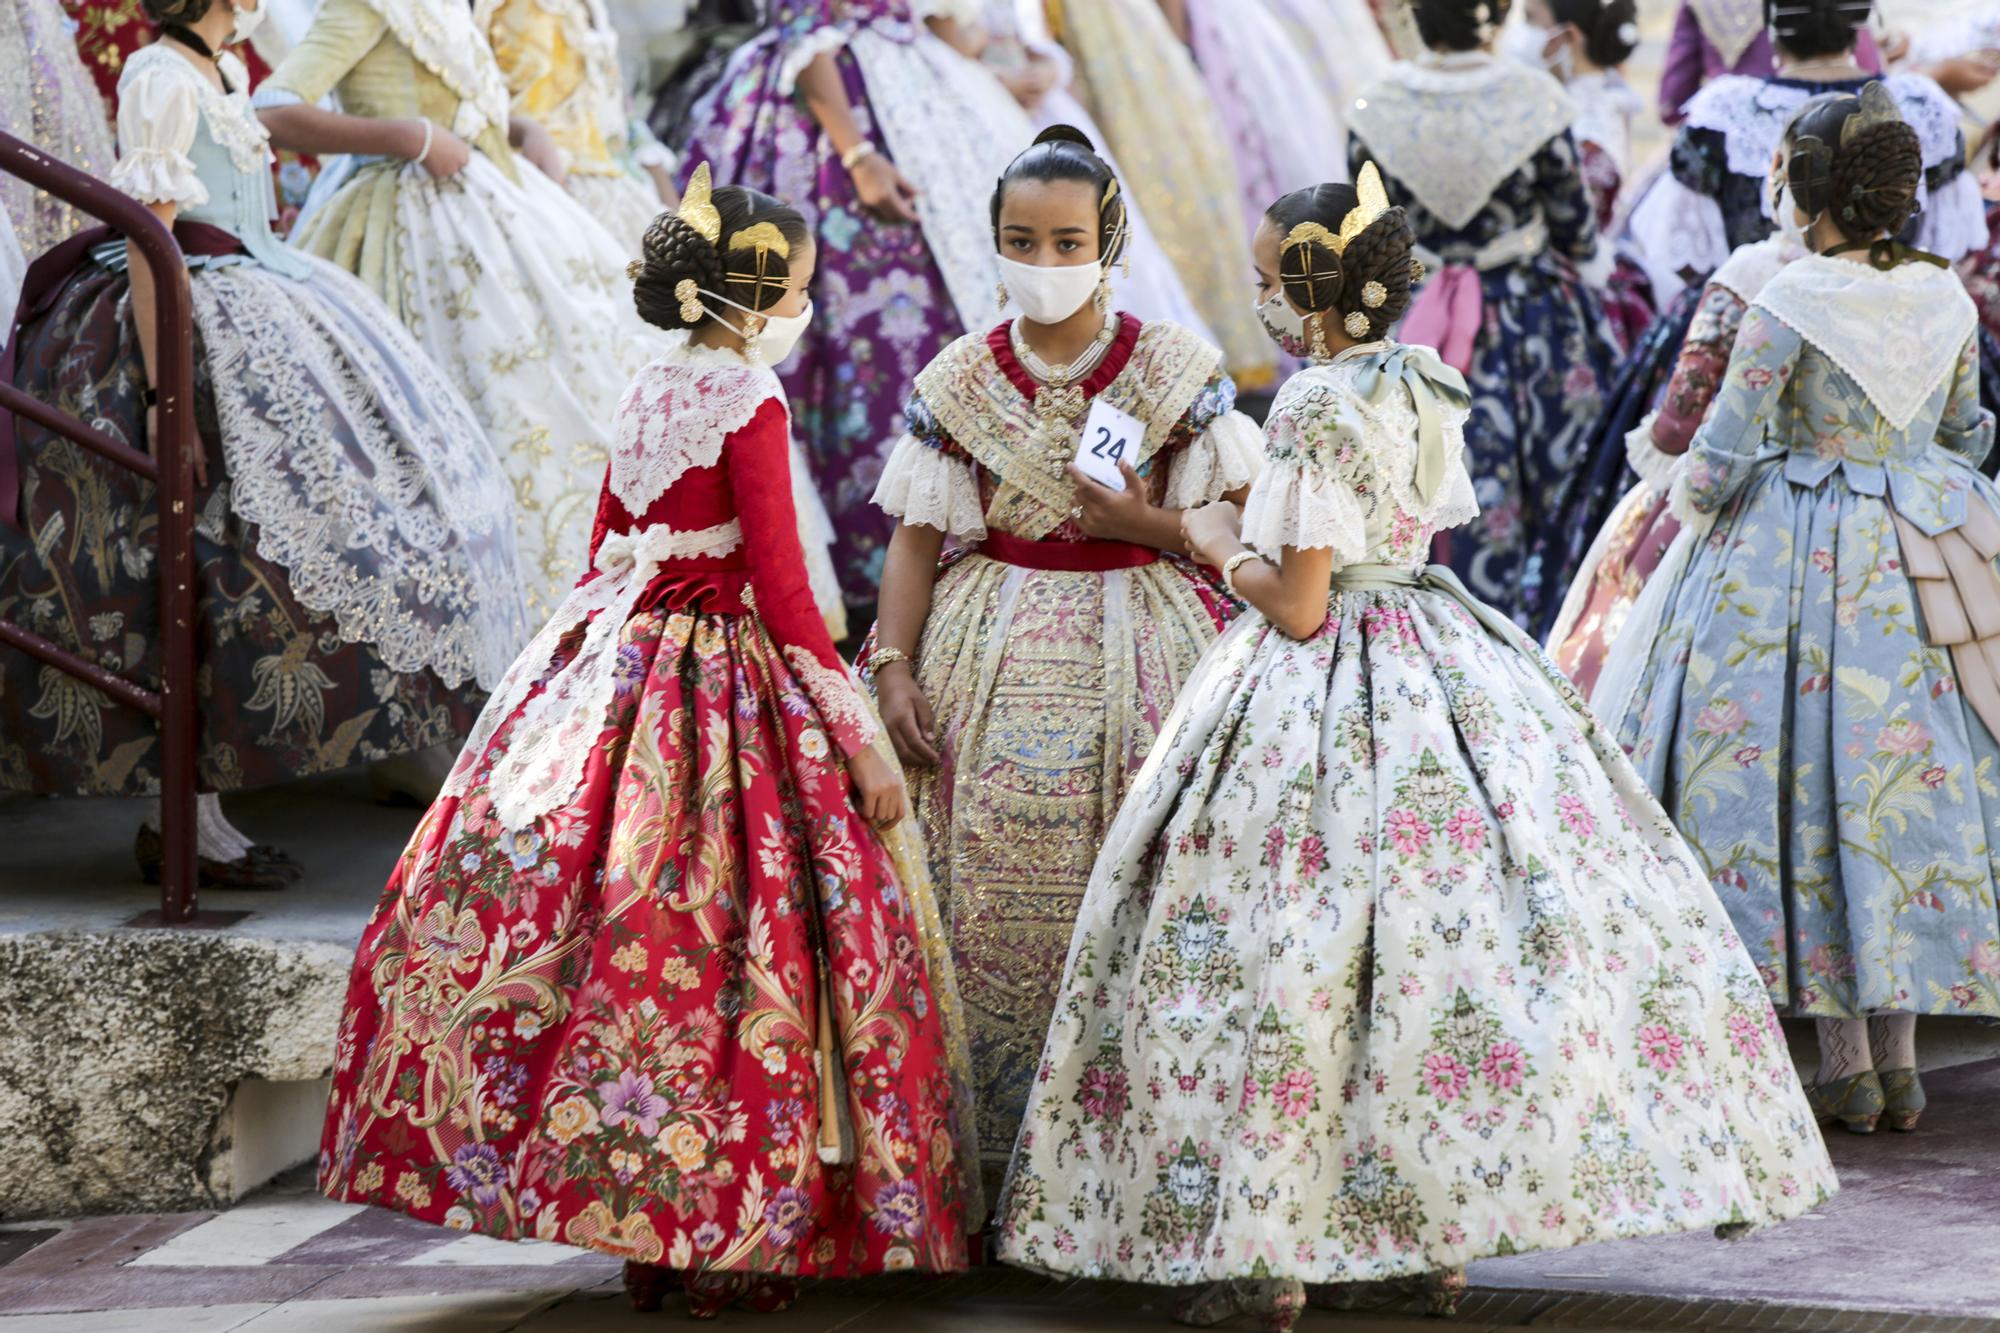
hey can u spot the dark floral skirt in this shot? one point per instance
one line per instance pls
(281, 695)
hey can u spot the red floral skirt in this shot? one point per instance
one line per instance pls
(602, 1031)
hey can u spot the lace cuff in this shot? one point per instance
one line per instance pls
(159, 176)
(1299, 505)
(1656, 468)
(806, 50)
(1226, 455)
(930, 488)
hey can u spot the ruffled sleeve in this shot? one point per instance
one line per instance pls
(807, 30)
(1214, 450)
(930, 482)
(159, 111)
(1305, 495)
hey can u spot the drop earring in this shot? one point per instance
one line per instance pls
(1319, 348)
(1000, 295)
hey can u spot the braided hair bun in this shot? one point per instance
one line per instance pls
(1065, 153)
(1362, 291)
(1857, 161)
(681, 272)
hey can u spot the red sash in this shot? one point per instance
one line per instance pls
(1085, 557)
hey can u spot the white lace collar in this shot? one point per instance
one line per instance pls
(676, 414)
(1751, 114)
(1451, 134)
(231, 122)
(1730, 25)
(445, 38)
(1897, 335)
(1750, 266)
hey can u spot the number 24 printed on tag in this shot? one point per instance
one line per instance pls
(1109, 438)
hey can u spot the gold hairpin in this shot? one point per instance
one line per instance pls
(761, 236)
(635, 268)
(1878, 107)
(1373, 203)
(698, 209)
(688, 293)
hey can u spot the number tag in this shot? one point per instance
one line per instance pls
(1109, 438)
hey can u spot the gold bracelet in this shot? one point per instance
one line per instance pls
(859, 153)
(882, 657)
(1234, 563)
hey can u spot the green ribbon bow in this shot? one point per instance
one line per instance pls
(1418, 369)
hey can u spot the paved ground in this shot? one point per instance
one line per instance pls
(1907, 1245)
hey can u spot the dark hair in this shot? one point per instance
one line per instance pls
(1610, 30)
(1377, 262)
(174, 13)
(1458, 25)
(1065, 153)
(1872, 171)
(1807, 28)
(675, 251)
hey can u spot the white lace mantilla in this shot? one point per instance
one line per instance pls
(446, 39)
(1751, 115)
(1898, 335)
(677, 413)
(163, 99)
(1453, 134)
(1730, 25)
(547, 748)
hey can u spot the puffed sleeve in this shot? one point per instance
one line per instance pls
(1566, 204)
(1698, 371)
(929, 481)
(758, 461)
(1214, 449)
(807, 29)
(159, 111)
(341, 34)
(1966, 428)
(1306, 494)
(1735, 439)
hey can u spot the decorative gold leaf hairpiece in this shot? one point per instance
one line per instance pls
(761, 236)
(698, 209)
(1372, 204)
(1878, 107)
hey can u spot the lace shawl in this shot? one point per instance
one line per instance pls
(1730, 25)
(677, 413)
(1453, 135)
(1898, 335)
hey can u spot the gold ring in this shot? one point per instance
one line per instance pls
(1076, 511)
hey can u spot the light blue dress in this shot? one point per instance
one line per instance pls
(1794, 713)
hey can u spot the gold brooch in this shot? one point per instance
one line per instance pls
(1373, 294)
(689, 295)
(1356, 324)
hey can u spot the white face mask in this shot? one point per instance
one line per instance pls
(772, 343)
(1286, 326)
(1787, 217)
(1528, 44)
(247, 21)
(1050, 295)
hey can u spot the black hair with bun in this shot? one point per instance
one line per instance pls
(1065, 153)
(674, 250)
(1610, 29)
(1856, 160)
(1365, 290)
(1458, 25)
(1809, 28)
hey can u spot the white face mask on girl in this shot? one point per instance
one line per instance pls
(1286, 326)
(247, 22)
(1528, 44)
(1050, 295)
(772, 343)
(1786, 214)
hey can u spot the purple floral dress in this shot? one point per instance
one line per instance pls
(882, 309)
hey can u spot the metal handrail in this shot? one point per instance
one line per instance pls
(171, 469)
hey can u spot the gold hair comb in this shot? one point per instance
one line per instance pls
(698, 208)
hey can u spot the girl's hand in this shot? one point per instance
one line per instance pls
(907, 715)
(1103, 512)
(1212, 532)
(448, 156)
(883, 190)
(878, 790)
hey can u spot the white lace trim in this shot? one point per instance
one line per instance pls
(1953, 223)
(1229, 454)
(1751, 266)
(930, 488)
(833, 693)
(1297, 504)
(676, 414)
(914, 88)
(1453, 135)
(444, 37)
(162, 101)
(1751, 113)
(823, 41)
(1897, 335)
(159, 176)
(1731, 25)
(546, 751)
(1658, 470)
(363, 471)
(1677, 230)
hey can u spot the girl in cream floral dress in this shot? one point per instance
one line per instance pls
(1389, 962)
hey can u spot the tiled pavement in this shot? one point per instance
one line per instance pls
(1907, 1247)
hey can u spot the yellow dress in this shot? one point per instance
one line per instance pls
(1142, 87)
(508, 282)
(560, 60)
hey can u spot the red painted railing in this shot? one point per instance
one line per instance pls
(170, 467)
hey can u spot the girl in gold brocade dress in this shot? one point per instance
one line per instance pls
(509, 283)
(1024, 682)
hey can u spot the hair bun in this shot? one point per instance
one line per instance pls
(1064, 134)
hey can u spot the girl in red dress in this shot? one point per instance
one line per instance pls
(647, 979)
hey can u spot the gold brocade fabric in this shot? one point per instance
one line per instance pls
(1049, 689)
(47, 99)
(1146, 94)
